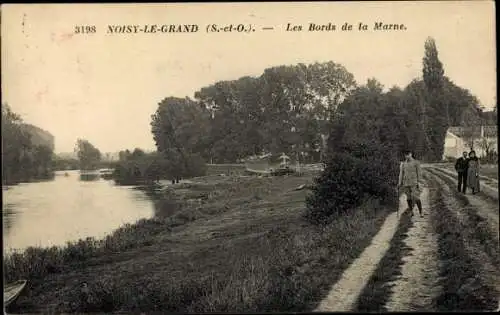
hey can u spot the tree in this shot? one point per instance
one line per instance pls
(286, 109)
(433, 71)
(22, 161)
(42, 157)
(124, 155)
(137, 153)
(236, 118)
(461, 104)
(179, 128)
(88, 155)
(366, 137)
(486, 145)
(435, 111)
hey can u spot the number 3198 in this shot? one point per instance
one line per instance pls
(85, 29)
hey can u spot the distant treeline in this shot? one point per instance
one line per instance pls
(27, 152)
(137, 167)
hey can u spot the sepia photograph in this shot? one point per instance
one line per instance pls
(239, 157)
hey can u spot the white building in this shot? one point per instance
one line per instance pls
(478, 138)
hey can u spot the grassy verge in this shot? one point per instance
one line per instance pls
(490, 171)
(216, 169)
(172, 209)
(475, 227)
(234, 245)
(461, 282)
(375, 295)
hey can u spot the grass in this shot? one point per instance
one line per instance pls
(475, 228)
(375, 295)
(490, 171)
(225, 244)
(460, 276)
(228, 169)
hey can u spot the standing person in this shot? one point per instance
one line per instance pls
(473, 172)
(410, 175)
(461, 167)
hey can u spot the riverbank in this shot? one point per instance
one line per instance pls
(221, 243)
(32, 179)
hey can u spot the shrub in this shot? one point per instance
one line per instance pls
(357, 172)
(146, 168)
(490, 158)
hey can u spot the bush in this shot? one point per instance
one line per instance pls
(358, 172)
(151, 167)
(197, 166)
(490, 158)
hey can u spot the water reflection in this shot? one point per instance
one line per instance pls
(89, 177)
(67, 208)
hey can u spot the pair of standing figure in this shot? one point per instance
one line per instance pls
(467, 168)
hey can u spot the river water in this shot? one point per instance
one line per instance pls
(67, 209)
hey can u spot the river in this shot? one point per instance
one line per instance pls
(67, 209)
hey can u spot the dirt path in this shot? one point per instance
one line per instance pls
(417, 285)
(448, 260)
(470, 252)
(344, 294)
(488, 186)
(449, 168)
(486, 206)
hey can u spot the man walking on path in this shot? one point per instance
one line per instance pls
(461, 166)
(410, 175)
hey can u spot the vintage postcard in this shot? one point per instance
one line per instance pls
(250, 157)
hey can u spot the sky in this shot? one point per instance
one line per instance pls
(105, 87)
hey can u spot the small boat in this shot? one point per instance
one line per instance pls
(107, 174)
(12, 291)
(89, 175)
(265, 165)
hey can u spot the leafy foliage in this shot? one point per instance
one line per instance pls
(370, 129)
(286, 109)
(363, 154)
(139, 167)
(21, 159)
(88, 155)
(180, 128)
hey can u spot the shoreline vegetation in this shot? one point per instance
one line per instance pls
(270, 257)
(247, 242)
(255, 243)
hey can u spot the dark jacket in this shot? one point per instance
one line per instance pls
(462, 165)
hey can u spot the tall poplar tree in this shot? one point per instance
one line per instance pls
(435, 110)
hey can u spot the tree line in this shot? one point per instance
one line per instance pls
(371, 128)
(291, 109)
(286, 109)
(22, 160)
